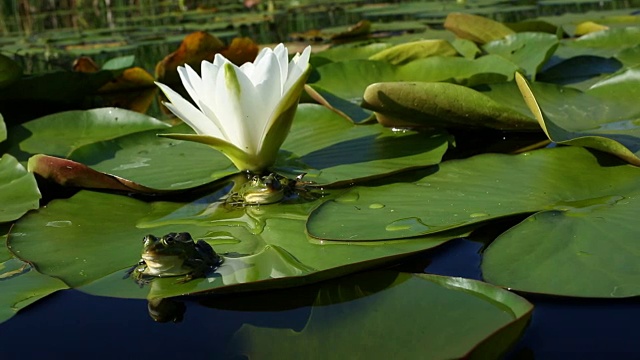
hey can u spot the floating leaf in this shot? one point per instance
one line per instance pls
(331, 150)
(473, 190)
(349, 79)
(529, 50)
(589, 249)
(18, 189)
(21, 284)
(456, 318)
(476, 28)
(119, 63)
(60, 134)
(156, 162)
(352, 51)
(612, 38)
(579, 68)
(466, 48)
(407, 104)
(90, 240)
(407, 52)
(623, 86)
(620, 137)
(630, 56)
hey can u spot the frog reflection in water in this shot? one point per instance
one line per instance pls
(174, 255)
(260, 190)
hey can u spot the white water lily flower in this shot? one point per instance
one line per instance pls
(245, 112)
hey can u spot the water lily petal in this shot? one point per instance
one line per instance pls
(186, 82)
(248, 68)
(206, 98)
(283, 59)
(189, 113)
(297, 67)
(228, 149)
(267, 78)
(281, 119)
(234, 110)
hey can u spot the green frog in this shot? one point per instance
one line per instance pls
(175, 254)
(259, 190)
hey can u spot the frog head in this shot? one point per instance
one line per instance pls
(261, 190)
(169, 255)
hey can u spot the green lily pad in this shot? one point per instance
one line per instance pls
(623, 86)
(331, 150)
(589, 249)
(407, 52)
(453, 318)
(349, 79)
(630, 56)
(476, 28)
(91, 239)
(22, 286)
(578, 69)
(529, 50)
(119, 63)
(617, 135)
(466, 48)
(156, 162)
(18, 189)
(471, 191)
(615, 38)
(62, 133)
(352, 51)
(440, 105)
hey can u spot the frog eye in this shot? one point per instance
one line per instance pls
(167, 240)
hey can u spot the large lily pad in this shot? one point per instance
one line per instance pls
(21, 284)
(332, 150)
(155, 161)
(606, 128)
(611, 38)
(440, 105)
(349, 79)
(474, 190)
(589, 249)
(89, 241)
(451, 318)
(60, 134)
(476, 28)
(407, 52)
(18, 189)
(529, 50)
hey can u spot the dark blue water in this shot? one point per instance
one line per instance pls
(71, 324)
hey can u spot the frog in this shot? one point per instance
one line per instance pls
(174, 254)
(260, 190)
